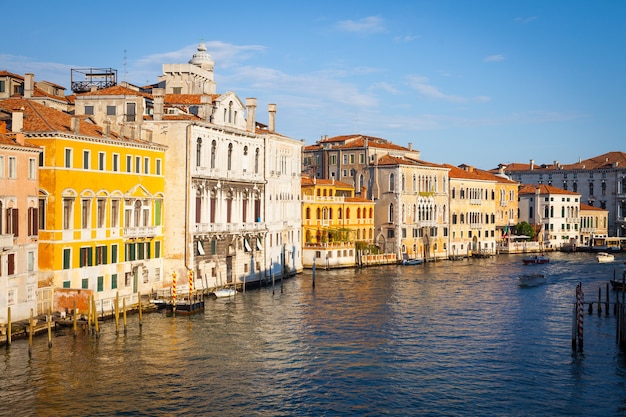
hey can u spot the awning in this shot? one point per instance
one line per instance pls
(200, 248)
(246, 245)
(258, 244)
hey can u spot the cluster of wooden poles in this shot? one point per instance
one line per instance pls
(92, 323)
(619, 310)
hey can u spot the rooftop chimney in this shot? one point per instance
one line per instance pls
(532, 164)
(75, 125)
(19, 138)
(410, 146)
(107, 128)
(17, 121)
(29, 84)
(272, 117)
(159, 99)
(251, 116)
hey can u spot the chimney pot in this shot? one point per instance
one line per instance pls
(272, 117)
(251, 116)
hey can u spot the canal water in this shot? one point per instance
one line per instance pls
(442, 339)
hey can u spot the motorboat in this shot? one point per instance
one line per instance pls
(225, 292)
(531, 280)
(536, 259)
(603, 257)
(412, 261)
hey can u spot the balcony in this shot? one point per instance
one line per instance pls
(140, 232)
(504, 203)
(476, 201)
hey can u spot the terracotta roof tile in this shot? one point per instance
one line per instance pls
(543, 189)
(116, 90)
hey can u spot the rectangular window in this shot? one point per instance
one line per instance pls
(361, 158)
(67, 258)
(89, 110)
(86, 257)
(85, 209)
(42, 214)
(110, 110)
(67, 212)
(333, 160)
(100, 283)
(137, 164)
(115, 213)
(66, 284)
(113, 281)
(31, 261)
(158, 167)
(157, 249)
(12, 167)
(33, 221)
(11, 263)
(12, 221)
(101, 255)
(130, 112)
(101, 161)
(116, 162)
(113, 254)
(1, 168)
(157, 212)
(68, 158)
(129, 163)
(101, 212)
(146, 165)
(32, 169)
(86, 155)
(85, 283)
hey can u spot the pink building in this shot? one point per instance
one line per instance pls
(19, 220)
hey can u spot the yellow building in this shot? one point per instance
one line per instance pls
(594, 226)
(472, 211)
(100, 205)
(334, 222)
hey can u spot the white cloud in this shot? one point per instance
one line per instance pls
(422, 86)
(406, 38)
(494, 58)
(525, 20)
(371, 24)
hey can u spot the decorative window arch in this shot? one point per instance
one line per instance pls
(213, 151)
(230, 157)
(199, 152)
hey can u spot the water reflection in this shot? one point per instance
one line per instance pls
(450, 338)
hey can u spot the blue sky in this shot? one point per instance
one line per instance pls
(476, 82)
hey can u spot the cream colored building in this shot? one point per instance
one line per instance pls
(594, 223)
(411, 212)
(472, 211)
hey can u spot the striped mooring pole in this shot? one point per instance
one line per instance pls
(580, 302)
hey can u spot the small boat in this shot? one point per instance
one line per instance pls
(536, 259)
(605, 257)
(412, 261)
(531, 280)
(224, 292)
(618, 285)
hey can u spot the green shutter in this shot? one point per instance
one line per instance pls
(114, 254)
(113, 280)
(100, 283)
(90, 256)
(157, 213)
(67, 260)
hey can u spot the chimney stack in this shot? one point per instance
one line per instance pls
(75, 125)
(159, 99)
(410, 146)
(532, 164)
(251, 116)
(107, 128)
(19, 138)
(272, 117)
(17, 121)
(29, 84)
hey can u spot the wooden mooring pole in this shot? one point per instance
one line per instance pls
(9, 330)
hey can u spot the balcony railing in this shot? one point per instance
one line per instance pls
(143, 231)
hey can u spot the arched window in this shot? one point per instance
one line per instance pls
(230, 157)
(256, 161)
(213, 150)
(392, 180)
(198, 152)
(308, 213)
(414, 183)
(339, 213)
(348, 213)
(402, 188)
(390, 213)
(230, 112)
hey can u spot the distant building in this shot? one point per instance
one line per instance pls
(19, 220)
(336, 225)
(600, 181)
(594, 222)
(473, 211)
(555, 212)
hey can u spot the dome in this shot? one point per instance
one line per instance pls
(202, 57)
